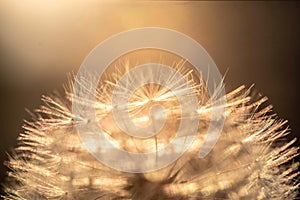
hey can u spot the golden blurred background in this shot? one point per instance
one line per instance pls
(42, 40)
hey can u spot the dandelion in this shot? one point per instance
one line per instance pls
(251, 159)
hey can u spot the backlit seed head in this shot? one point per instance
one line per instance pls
(249, 161)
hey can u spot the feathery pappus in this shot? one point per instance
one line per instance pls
(251, 159)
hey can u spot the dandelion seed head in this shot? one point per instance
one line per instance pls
(249, 161)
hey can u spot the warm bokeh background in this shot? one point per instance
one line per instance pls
(40, 41)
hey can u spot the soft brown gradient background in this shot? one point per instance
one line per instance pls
(40, 41)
